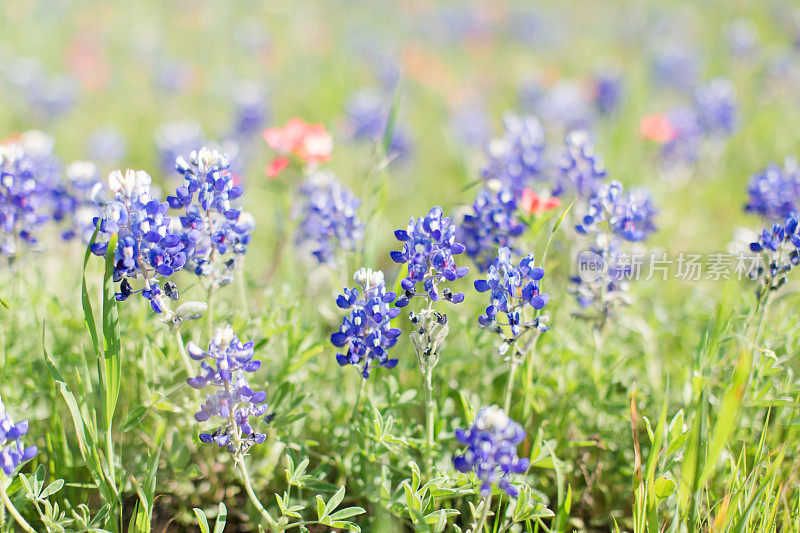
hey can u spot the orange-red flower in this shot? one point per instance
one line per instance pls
(535, 204)
(657, 128)
(311, 143)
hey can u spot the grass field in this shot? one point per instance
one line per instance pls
(638, 373)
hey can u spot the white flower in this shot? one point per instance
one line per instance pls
(131, 185)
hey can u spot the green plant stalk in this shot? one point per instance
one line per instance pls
(487, 503)
(13, 510)
(187, 362)
(354, 412)
(273, 524)
(429, 421)
(210, 312)
(512, 373)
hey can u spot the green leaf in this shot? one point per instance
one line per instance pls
(663, 487)
(334, 501)
(320, 507)
(222, 517)
(111, 337)
(347, 512)
(51, 489)
(202, 521)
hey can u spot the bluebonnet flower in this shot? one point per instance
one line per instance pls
(106, 145)
(716, 107)
(627, 215)
(367, 119)
(225, 365)
(580, 169)
(78, 204)
(602, 279)
(780, 249)
(177, 139)
(684, 145)
(328, 214)
(24, 200)
(367, 330)
(429, 244)
(775, 192)
(12, 451)
(742, 37)
(517, 159)
(566, 104)
(47, 96)
(471, 125)
(490, 223)
(676, 67)
(512, 289)
(607, 92)
(252, 111)
(147, 248)
(212, 225)
(491, 452)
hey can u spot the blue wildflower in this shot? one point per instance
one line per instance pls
(147, 247)
(716, 107)
(12, 452)
(491, 452)
(607, 92)
(212, 224)
(25, 199)
(684, 146)
(489, 224)
(328, 214)
(517, 159)
(367, 119)
(177, 139)
(252, 111)
(627, 215)
(580, 169)
(512, 289)
(106, 145)
(367, 330)
(780, 249)
(429, 244)
(225, 365)
(775, 192)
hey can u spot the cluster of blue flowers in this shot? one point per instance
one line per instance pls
(607, 92)
(517, 159)
(774, 192)
(24, 200)
(716, 106)
(612, 217)
(177, 139)
(328, 214)
(367, 330)
(251, 113)
(780, 246)
(713, 114)
(580, 169)
(12, 451)
(225, 365)
(491, 452)
(147, 247)
(367, 119)
(628, 215)
(212, 225)
(489, 224)
(429, 244)
(512, 289)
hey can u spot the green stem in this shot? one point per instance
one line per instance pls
(361, 387)
(273, 524)
(210, 312)
(487, 503)
(13, 510)
(187, 362)
(512, 372)
(429, 421)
